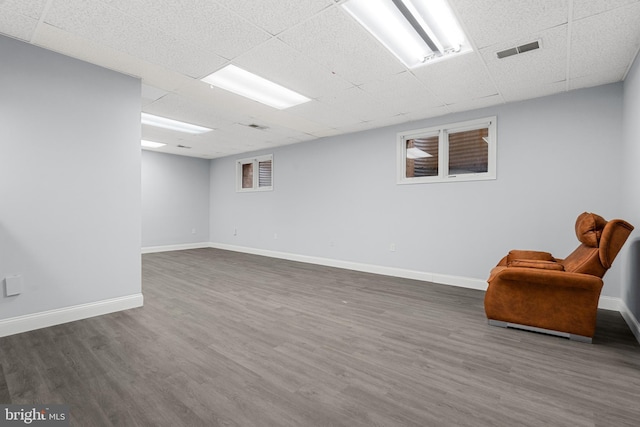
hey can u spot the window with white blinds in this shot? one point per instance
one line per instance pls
(265, 173)
(463, 151)
(255, 174)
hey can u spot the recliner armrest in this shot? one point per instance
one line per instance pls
(534, 263)
(543, 277)
(517, 254)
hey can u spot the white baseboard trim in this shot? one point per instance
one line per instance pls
(609, 303)
(605, 302)
(631, 320)
(464, 282)
(180, 247)
(30, 322)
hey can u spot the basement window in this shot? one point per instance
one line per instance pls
(255, 174)
(464, 151)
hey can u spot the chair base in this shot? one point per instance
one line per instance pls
(572, 337)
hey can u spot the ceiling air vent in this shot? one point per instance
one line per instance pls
(256, 126)
(519, 49)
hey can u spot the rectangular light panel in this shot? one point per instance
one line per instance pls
(151, 144)
(416, 32)
(249, 85)
(165, 123)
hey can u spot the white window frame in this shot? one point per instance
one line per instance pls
(255, 161)
(443, 152)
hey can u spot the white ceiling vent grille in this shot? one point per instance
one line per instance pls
(519, 49)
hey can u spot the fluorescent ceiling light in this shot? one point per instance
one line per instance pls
(163, 122)
(416, 153)
(249, 85)
(414, 31)
(151, 144)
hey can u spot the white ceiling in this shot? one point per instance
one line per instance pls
(315, 48)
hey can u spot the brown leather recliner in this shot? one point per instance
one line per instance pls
(533, 290)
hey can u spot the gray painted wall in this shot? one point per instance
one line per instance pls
(337, 197)
(175, 199)
(69, 180)
(631, 254)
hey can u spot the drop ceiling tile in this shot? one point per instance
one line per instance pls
(474, 104)
(271, 133)
(178, 107)
(283, 135)
(596, 79)
(30, 8)
(356, 127)
(326, 115)
(171, 138)
(92, 19)
(275, 16)
(427, 113)
(458, 78)
(391, 105)
(391, 120)
(489, 22)
(360, 104)
(326, 133)
(182, 58)
(535, 68)
(369, 125)
(584, 8)
(203, 23)
(221, 103)
(56, 39)
(241, 133)
(107, 26)
(402, 92)
(178, 151)
(341, 45)
(196, 144)
(288, 119)
(204, 152)
(606, 41)
(280, 63)
(151, 94)
(517, 92)
(16, 25)
(240, 136)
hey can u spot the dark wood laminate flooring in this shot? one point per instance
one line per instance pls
(229, 339)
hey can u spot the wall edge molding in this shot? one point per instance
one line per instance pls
(179, 247)
(44, 319)
(631, 320)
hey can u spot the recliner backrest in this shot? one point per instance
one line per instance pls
(601, 240)
(613, 237)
